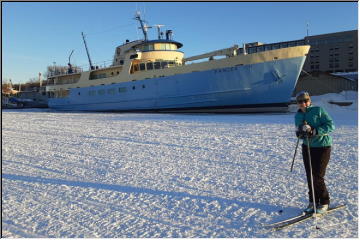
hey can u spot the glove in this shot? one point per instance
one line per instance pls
(299, 134)
(306, 128)
(305, 131)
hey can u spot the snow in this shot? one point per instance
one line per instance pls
(73, 174)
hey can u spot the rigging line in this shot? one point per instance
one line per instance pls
(98, 62)
(111, 29)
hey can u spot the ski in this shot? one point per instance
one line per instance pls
(286, 220)
(290, 223)
(300, 218)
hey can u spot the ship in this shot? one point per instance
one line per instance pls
(155, 76)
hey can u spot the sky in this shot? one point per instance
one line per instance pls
(38, 34)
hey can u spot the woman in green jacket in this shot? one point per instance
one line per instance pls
(314, 123)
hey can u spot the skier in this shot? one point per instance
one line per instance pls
(314, 123)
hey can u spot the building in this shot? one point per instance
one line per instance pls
(331, 65)
(320, 83)
(333, 52)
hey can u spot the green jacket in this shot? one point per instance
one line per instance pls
(319, 119)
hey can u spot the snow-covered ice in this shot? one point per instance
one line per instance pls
(71, 174)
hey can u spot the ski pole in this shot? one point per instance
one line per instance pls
(297, 144)
(296, 148)
(312, 180)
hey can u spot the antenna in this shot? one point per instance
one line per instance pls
(87, 51)
(307, 28)
(158, 26)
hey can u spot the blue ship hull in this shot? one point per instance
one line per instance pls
(259, 87)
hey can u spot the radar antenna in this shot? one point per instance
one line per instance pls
(158, 26)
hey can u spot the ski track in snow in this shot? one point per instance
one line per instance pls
(166, 175)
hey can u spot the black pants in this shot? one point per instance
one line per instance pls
(319, 160)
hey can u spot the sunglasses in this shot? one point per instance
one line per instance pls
(302, 101)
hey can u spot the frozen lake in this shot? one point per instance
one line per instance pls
(167, 175)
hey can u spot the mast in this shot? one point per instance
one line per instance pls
(87, 51)
(40, 80)
(143, 26)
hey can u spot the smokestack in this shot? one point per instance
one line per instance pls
(168, 34)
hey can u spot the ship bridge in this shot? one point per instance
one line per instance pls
(147, 54)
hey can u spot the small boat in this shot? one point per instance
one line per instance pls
(34, 98)
(154, 75)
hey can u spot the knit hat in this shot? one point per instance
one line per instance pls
(303, 95)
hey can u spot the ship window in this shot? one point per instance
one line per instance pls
(149, 47)
(61, 93)
(164, 64)
(260, 49)
(111, 91)
(300, 43)
(133, 56)
(136, 67)
(142, 66)
(157, 65)
(122, 89)
(292, 44)
(251, 50)
(173, 47)
(92, 93)
(101, 91)
(284, 45)
(267, 47)
(276, 46)
(149, 66)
